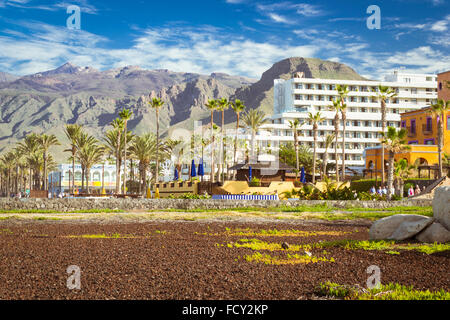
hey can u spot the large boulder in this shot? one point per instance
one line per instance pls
(434, 233)
(441, 206)
(385, 228)
(409, 229)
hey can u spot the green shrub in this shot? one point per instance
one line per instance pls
(255, 182)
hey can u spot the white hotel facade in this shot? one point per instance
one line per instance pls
(296, 97)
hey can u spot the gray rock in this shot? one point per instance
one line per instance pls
(408, 230)
(385, 228)
(434, 233)
(441, 206)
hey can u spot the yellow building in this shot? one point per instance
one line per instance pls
(422, 129)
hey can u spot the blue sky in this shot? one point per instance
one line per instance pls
(239, 37)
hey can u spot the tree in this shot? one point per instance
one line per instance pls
(238, 107)
(157, 104)
(73, 132)
(328, 141)
(212, 106)
(83, 140)
(439, 109)
(314, 120)
(113, 140)
(89, 154)
(125, 115)
(143, 148)
(253, 120)
(402, 171)
(343, 93)
(295, 126)
(222, 105)
(46, 142)
(29, 147)
(395, 142)
(383, 93)
(336, 107)
(8, 162)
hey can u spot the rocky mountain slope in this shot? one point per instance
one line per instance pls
(46, 101)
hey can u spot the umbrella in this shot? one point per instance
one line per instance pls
(250, 173)
(175, 178)
(193, 171)
(302, 175)
(201, 171)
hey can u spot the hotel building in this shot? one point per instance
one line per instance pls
(296, 97)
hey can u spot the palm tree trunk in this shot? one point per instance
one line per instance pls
(314, 157)
(336, 131)
(297, 162)
(325, 162)
(73, 172)
(45, 172)
(125, 160)
(87, 180)
(157, 147)
(83, 175)
(390, 174)
(383, 128)
(212, 147)
(344, 118)
(235, 140)
(440, 144)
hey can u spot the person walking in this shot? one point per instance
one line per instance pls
(411, 191)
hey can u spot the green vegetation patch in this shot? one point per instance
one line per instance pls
(382, 245)
(247, 232)
(56, 211)
(103, 236)
(390, 291)
(289, 259)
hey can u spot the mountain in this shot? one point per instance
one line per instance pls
(6, 77)
(47, 101)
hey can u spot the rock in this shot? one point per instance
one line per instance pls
(408, 230)
(285, 245)
(385, 228)
(441, 206)
(434, 233)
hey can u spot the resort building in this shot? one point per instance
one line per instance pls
(101, 176)
(296, 97)
(422, 128)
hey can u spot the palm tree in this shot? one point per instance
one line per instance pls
(29, 146)
(8, 162)
(157, 104)
(73, 132)
(383, 93)
(336, 107)
(81, 142)
(343, 93)
(238, 107)
(90, 154)
(295, 125)
(143, 148)
(328, 141)
(212, 106)
(222, 105)
(116, 133)
(46, 142)
(439, 109)
(314, 120)
(402, 171)
(395, 142)
(253, 120)
(125, 115)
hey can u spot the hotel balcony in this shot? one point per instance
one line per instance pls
(427, 130)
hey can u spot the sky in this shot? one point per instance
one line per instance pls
(238, 37)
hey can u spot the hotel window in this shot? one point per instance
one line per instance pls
(299, 86)
(364, 89)
(448, 122)
(428, 142)
(353, 110)
(308, 86)
(363, 110)
(356, 123)
(413, 90)
(363, 99)
(353, 99)
(403, 124)
(331, 87)
(298, 97)
(429, 123)
(367, 123)
(413, 126)
(368, 135)
(319, 87)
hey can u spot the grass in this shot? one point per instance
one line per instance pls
(290, 259)
(390, 291)
(103, 236)
(56, 211)
(382, 245)
(280, 233)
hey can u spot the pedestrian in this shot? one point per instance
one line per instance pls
(423, 189)
(384, 190)
(411, 191)
(373, 190)
(417, 191)
(380, 191)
